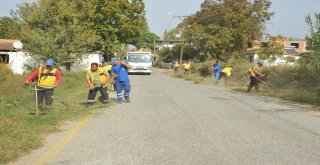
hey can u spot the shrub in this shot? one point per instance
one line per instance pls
(204, 69)
(5, 72)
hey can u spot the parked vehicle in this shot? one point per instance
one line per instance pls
(141, 62)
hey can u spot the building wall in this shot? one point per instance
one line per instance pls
(18, 62)
(85, 63)
(300, 49)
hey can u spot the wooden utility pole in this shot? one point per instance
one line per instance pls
(184, 23)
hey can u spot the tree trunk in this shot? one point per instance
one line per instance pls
(68, 66)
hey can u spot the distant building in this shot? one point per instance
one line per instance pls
(85, 63)
(19, 61)
(16, 60)
(292, 49)
(290, 46)
(169, 43)
(299, 45)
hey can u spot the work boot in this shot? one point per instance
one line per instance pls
(49, 108)
(119, 101)
(90, 106)
(128, 100)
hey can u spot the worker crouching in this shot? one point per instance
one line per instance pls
(97, 79)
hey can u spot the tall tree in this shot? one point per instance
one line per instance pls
(145, 40)
(56, 29)
(9, 28)
(118, 22)
(223, 27)
(311, 61)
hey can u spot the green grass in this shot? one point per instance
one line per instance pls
(20, 130)
(291, 83)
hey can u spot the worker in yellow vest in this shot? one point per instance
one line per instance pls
(255, 76)
(225, 73)
(47, 78)
(186, 68)
(97, 79)
(107, 67)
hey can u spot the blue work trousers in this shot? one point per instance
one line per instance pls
(123, 85)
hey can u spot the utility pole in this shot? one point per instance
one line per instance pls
(154, 45)
(184, 22)
(184, 25)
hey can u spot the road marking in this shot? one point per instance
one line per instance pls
(56, 149)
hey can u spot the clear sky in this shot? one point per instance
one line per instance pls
(287, 21)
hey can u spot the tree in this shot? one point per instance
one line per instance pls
(172, 34)
(68, 29)
(56, 29)
(145, 40)
(117, 22)
(9, 28)
(274, 47)
(189, 53)
(223, 27)
(311, 60)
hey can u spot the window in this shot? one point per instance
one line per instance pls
(4, 58)
(295, 45)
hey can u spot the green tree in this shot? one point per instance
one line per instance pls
(117, 22)
(274, 47)
(68, 29)
(57, 29)
(9, 28)
(145, 40)
(311, 60)
(223, 28)
(189, 53)
(172, 34)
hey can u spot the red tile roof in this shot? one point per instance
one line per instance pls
(7, 44)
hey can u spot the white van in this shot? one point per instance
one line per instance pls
(141, 62)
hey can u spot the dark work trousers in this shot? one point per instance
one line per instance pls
(223, 75)
(92, 95)
(254, 82)
(186, 71)
(45, 94)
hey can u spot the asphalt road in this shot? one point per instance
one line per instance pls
(172, 121)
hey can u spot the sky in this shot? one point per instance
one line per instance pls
(289, 18)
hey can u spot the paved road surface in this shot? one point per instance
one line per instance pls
(171, 121)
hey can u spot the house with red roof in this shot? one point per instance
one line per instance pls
(12, 55)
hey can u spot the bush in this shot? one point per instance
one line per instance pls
(5, 72)
(204, 69)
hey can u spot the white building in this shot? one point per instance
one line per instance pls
(19, 61)
(85, 63)
(169, 43)
(16, 59)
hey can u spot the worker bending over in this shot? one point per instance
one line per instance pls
(97, 78)
(255, 77)
(225, 73)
